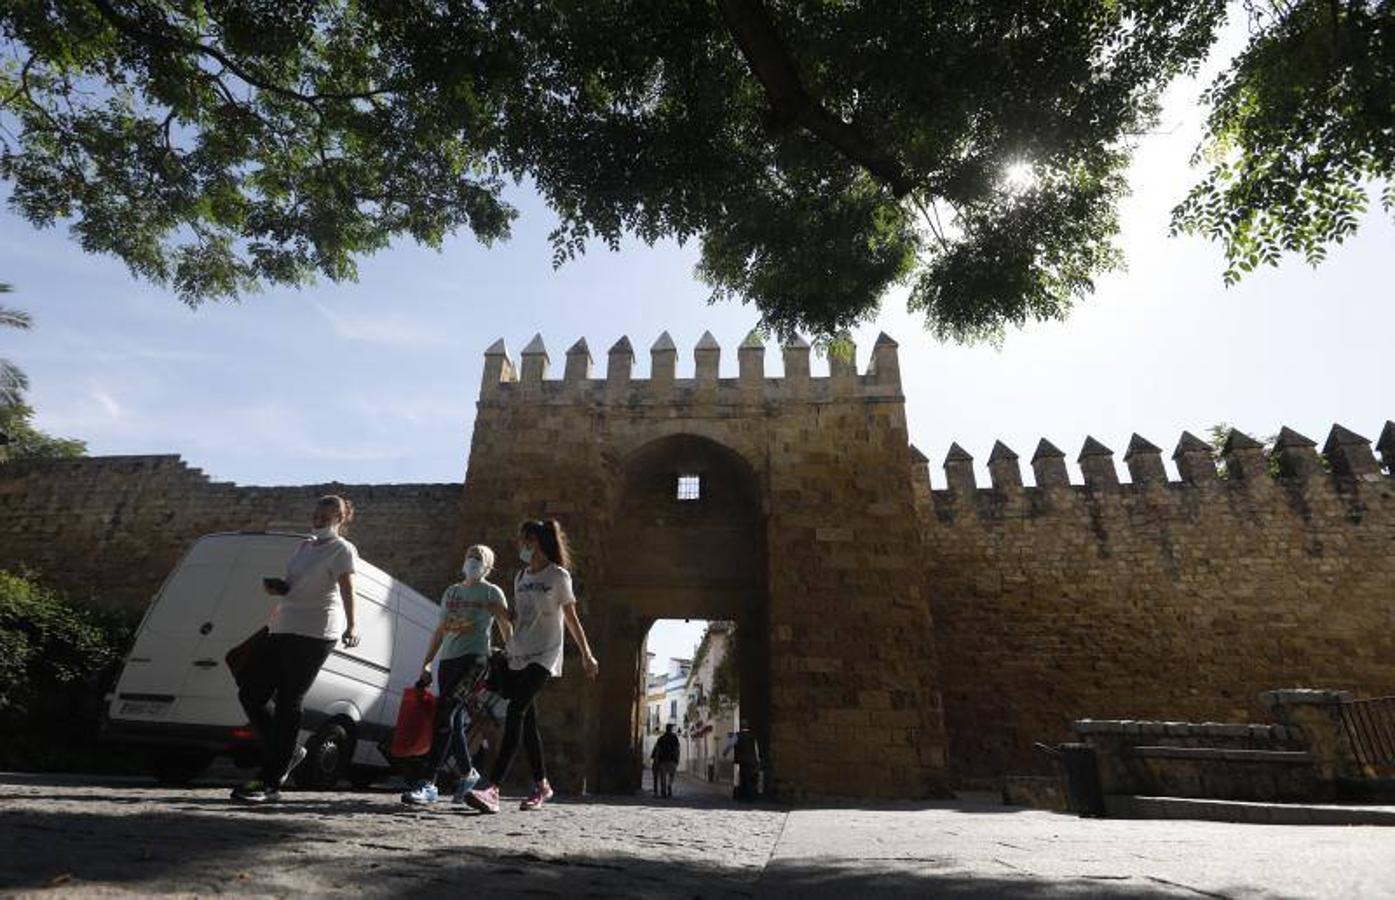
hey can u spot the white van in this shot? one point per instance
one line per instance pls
(176, 694)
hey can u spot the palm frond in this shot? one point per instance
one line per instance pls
(14, 318)
(13, 383)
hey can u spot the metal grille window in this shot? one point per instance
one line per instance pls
(689, 487)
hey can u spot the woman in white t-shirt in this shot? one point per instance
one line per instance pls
(543, 606)
(304, 627)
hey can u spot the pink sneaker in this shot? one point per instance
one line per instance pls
(542, 792)
(485, 800)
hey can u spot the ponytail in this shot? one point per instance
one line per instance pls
(343, 505)
(552, 540)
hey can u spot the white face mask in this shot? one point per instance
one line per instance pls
(474, 568)
(325, 533)
(525, 554)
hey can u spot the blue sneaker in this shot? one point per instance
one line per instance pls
(424, 793)
(466, 784)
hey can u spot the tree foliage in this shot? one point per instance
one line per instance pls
(45, 641)
(1219, 433)
(13, 381)
(820, 152)
(24, 441)
(1301, 133)
(58, 659)
(19, 439)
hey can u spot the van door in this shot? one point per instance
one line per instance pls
(209, 696)
(153, 679)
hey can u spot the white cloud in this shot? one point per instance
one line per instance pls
(382, 328)
(106, 401)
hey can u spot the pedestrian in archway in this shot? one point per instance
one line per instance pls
(665, 755)
(469, 609)
(303, 629)
(746, 751)
(544, 606)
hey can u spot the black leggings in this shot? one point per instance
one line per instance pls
(454, 680)
(285, 665)
(524, 685)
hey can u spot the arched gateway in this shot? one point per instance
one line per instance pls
(803, 530)
(696, 552)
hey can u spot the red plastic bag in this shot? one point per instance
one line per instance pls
(416, 718)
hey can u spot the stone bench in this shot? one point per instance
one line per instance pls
(1218, 760)
(1213, 754)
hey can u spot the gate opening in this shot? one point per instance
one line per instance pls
(693, 683)
(688, 552)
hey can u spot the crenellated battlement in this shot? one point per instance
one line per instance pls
(1346, 459)
(528, 381)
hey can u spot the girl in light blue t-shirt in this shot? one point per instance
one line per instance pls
(469, 609)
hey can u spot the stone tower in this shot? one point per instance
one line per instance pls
(785, 504)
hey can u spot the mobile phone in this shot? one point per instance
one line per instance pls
(276, 585)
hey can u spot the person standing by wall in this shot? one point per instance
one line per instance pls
(303, 629)
(469, 609)
(543, 606)
(744, 748)
(666, 756)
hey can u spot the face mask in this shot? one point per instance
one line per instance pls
(473, 568)
(525, 554)
(325, 533)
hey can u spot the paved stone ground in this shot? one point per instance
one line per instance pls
(75, 837)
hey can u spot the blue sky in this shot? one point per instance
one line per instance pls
(376, 381)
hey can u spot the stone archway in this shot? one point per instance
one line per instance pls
(667, 557)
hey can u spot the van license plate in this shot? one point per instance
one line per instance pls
(148, 708)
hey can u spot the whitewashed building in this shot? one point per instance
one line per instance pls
(712, 705)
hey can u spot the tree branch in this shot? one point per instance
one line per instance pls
(174, 41)
(754, 32)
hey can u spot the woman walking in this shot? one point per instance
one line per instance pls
(304, 627)
(543, 605)
(468, 610)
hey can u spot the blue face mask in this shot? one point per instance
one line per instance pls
(525, 554)
(474, 568)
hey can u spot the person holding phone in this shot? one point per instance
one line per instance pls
(315, 612)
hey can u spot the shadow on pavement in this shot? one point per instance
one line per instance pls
(44, 848)
(204, 850)
(524, 873)
(866, 878)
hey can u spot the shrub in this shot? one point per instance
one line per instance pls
(57, 660)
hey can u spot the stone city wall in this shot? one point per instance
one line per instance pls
(108, 529)
(1154, 599)
(884, 627)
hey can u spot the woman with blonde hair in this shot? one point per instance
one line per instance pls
(469, 610)
(304, 627)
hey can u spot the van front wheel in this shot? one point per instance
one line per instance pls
(327, 758)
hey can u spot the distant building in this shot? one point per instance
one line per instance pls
(665, 700)
(713, 706)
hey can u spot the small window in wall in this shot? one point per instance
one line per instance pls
(689, 487)
(673, 709)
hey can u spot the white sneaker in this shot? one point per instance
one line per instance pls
(421, 795)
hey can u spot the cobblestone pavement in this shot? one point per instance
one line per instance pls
(74, 837)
